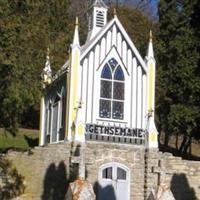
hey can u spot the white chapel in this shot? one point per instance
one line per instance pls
(105, 92)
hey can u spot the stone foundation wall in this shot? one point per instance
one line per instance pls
(183, 176)
(47, 170)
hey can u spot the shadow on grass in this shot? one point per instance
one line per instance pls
(7, 149)
(32, 142)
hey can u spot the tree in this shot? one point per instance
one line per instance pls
(25, 35)
(27, 28)
(178, 104)
(137, 26)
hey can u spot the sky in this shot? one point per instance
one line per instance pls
(149, 9)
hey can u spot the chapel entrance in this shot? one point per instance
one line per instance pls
(114, 181)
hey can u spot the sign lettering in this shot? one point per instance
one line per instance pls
(114, 131)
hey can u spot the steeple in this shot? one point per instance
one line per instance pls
(47, 73)
(152, 133)
(97, 17)
(150, 52)
(76, 35)
(151, 66)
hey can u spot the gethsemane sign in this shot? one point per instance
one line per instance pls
(114, 131)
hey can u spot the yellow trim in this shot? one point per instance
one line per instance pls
(74, 85)
(80, 130)
(41, 116)
(153, 137)
(67, 103)
(72, 90)
(150, 88)
(68, 76)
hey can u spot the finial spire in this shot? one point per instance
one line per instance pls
(150, 36)
(47, 73)
(150, 52)
(47, 67)
(76, 34)
(76, 21)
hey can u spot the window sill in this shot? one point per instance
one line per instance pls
(112, 120)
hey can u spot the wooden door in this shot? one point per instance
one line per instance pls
(113, 182)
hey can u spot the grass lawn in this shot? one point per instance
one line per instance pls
(24, 139)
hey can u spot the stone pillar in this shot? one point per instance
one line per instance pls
(150, 179)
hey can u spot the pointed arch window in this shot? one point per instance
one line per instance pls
(112, 91)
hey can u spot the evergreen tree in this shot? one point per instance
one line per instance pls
(137, 26)
(27, 28)
(178, 104)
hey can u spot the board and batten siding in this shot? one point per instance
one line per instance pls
(135, 82)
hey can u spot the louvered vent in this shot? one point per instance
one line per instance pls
(99, 19)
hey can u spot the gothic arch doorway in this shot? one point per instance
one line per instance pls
(114, 182)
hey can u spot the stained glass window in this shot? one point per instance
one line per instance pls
(112, 91)
(119, 74)
(118, 110)
(105, 108)
(113, 63)
(106, 89)
(118, 90)
(106, 72)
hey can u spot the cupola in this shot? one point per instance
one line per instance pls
(97, 18)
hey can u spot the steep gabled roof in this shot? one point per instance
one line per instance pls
(115, 21)
(99, 3)
(96, 38)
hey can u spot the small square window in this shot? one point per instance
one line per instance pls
(121, 174)
(107, 173)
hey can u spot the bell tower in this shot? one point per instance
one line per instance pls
(97, 18)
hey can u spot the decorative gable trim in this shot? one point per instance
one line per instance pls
(132, 46)
(114, 22)
(113, 53)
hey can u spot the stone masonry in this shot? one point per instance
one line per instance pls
(48, 170)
